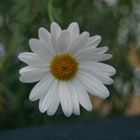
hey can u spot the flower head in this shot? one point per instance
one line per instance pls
(67, 66)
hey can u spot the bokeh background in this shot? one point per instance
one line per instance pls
(117, 21)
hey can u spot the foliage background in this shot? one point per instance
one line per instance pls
(117, 21)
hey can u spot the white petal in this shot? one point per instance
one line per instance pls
(49, 98)
(55, 28)
(44, 35)
(101, 76)
(91, 51)
(74, 30)
(94, 41)
(55, 32)
(28, 70)
(27, 79)
(30, 58)
(101, 67)
(53, 107)
(31, 74)
(64, 41)
(40, 48)
(65, 98)
(41, 88)
(95, 57)
(82, 95)
(106, 68)
(75, 100)
(93, 85)
(79, 43)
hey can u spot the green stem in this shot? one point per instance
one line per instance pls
(50, 13)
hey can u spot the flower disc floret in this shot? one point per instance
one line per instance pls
(63, 66)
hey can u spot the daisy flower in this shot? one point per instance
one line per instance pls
(67, 66)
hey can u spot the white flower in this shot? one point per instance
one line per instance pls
(111, 2)
(67, 66)
(2, 50)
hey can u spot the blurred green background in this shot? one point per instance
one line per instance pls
(117, 21)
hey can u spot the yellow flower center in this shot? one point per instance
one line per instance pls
(63, 66)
